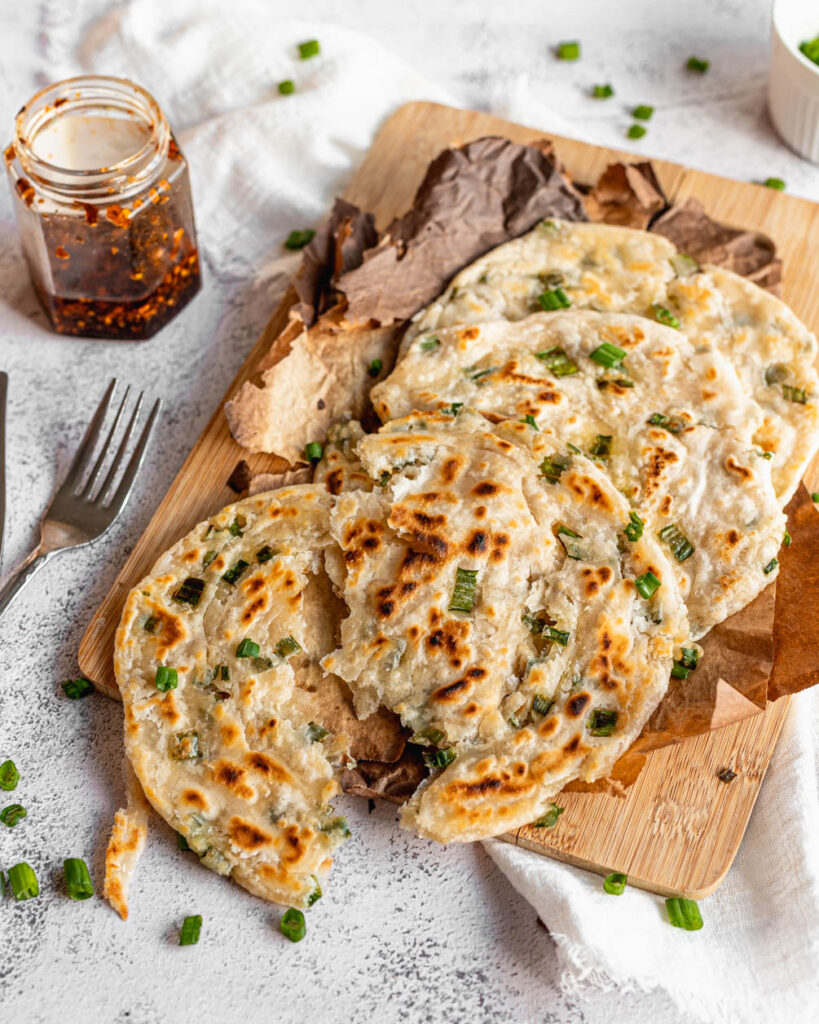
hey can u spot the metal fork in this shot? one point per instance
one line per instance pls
(83, 508)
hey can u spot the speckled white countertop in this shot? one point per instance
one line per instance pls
(409, 931)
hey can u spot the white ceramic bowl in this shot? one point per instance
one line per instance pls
(793, 85)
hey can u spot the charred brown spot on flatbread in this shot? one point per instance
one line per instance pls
(549, 397)
(334, 481)
(589, 490)
(596, 579)
(469, 333)
(477, 543)
(451, 468)
(195, 798)
(744, 472)
(247, 835)
(500, 546)
(265, 765)
(576, 705)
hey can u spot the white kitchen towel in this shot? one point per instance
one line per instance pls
(263, 164)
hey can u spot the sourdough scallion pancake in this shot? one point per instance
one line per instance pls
(613, 269)
(507, 619)
(208, 656)
(670, 424)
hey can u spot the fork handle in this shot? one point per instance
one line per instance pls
(21, 576)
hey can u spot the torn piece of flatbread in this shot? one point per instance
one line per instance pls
(335, 368)
(128, 835)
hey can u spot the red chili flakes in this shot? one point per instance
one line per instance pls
(25, 190)
(61, 253)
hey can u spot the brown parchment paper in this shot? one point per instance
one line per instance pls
(473, 198)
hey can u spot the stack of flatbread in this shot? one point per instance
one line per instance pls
(588, 441)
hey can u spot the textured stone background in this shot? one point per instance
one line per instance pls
(408, 931)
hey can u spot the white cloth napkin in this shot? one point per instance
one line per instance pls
(263, 164)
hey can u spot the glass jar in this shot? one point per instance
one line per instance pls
(103, 204)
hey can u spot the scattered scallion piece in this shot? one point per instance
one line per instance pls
(810, 48)
(684, 913)
(247, 649)
(727, 775)
(316, 733)
(690, 658)
(815, 497)
(12, 814)
(601, 446)
(552, 467)
(429, 344)
(315, 894)
(775, 374)
(182, 842)
(665, 316)
(298, 239)
(185, 746)
(77, 880)
(558, 362)
(23, 881)
(338, 824)
(222, 672)
(573, 550)
(647, 585)
(151, 624)
(642, 112)
(449, 410)
(235, 528)
(439, 758)
(265, 554)
(286, 87)
(463, 593)
(679, 671)
(541, 705)
(615, 883)
(375, 367)
(569, 50)
(313, 452)
(634, 528)
(553, 299)
(9, 776)
(530, 419)
(76, 689)
(287, 646)
(209, 557)
(681, 546)
(608, 355)
(793, 394)
(698, 65)
(602, 721)
(683, 265)
(557, 636)
(190, 930)
(166, 678)
(308, 49)
(636, 131)
(189, 591)
(775, 183)
(473, 373)
(549, 819)
(235, 571)
(602, 92)
(292, 925)
(670, 423)
(769, 568)
(787, 540)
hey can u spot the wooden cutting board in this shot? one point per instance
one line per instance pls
(678, 829)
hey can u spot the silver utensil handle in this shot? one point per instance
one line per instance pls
(20, 578)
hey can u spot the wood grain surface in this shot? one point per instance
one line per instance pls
(677, 830)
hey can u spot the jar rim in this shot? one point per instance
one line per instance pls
(123, 177)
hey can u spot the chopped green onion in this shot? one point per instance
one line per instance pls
(247, 649)
(601, 446)
(568, 51)
(634, 529)
(77, 879)
(439, 758)
(602, 721)
(530, 419)
(514, 721)
(449, 410)
(608, 355)
(602, 92)
(286, 87)
(787, 540)
(552, 467)
(292, 925)
(9, 776)
(775, 374)
(185, 746)
(727, 775)
(684, 913)
(309, 49)
(642, 112)
(313, 452)
(553, 299)
(429, 344)
(189, 591)
(339, 825)
(298, 239)
(151, 624)
(558, 636)
(384, 479)
(636, 131)
(810, 48)
(623, 382)
(615, 883)
(647, 585)
(76, 689)
(315, 894)
(558, 362)
(235, 528)
(189, 932)
(234, 572)
(262, 664)
(430, 735)
(815, 497)
(375, 367)
(473, 373)
(769, 568)
(549, 819)
(222, 672)
(665, 316)
(23, 882)
(683, 265)
(316, 733)
(673, 424)
(681, 546)
(698, 65)
(182, 842)
(679, 671)
(12, 814)
(463, 593)
(265, 554)
(166, 678)
(793, 394)
(690, 657)
(775, 183)
(287, 646)
(541, 705)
